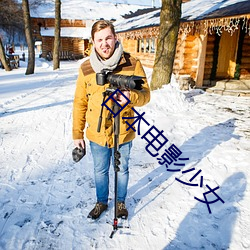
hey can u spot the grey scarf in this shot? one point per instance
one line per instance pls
(98, 64)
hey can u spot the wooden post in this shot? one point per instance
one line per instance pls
(201, 60)
(140, 42)
(149, 45)
(144, 45)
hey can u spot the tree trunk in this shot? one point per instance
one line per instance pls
(29, 38)
(168, 34)
(3, 57)
(56, 59)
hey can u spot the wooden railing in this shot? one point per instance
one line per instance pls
(64, 55)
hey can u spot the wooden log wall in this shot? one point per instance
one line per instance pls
(73, 45)
(47, 45)
(146, 59)
(50, 22)
(245, 60)
(190, 56)
(131, 46)
(178, 61)
(66, 44)
(186, 55)
(185, 59)
(79, 46)
(209, 57)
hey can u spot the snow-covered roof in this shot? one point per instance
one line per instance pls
(145, 20)
(191, 11)
(79, 32)
(205, 9)
(85, 10)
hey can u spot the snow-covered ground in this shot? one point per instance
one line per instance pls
(45, 197)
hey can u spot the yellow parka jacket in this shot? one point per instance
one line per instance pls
(89, 98)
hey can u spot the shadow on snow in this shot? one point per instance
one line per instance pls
(200, 230)
(211, 136)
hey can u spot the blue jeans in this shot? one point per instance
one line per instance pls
(102, 158)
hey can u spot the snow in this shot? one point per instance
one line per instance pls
(84, 33)
(45, 196)
(145, 20)
(197, 9)
(155, 3)
(86, 10)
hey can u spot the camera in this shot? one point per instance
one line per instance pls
(119, 81)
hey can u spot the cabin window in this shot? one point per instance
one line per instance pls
(146, 45)
(152, 45)
(140, 45)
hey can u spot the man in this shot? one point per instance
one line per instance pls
(107, 54)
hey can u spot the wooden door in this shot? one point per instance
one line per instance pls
(227, 55)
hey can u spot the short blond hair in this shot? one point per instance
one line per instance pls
(100, 25)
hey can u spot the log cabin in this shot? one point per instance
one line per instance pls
(74, 37)
(213, 41)
(77, 19)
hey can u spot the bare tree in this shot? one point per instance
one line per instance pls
(168, 34)
(3, 57)
(36, 3)
(56, 59)
(11, 24)
(11, 16)
(28, 33)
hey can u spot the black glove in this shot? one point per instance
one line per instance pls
(78, 153)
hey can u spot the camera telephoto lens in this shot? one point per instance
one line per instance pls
(119, 81)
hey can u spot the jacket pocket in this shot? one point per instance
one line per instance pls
(125, 122)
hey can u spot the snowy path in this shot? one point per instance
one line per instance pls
(45, 197)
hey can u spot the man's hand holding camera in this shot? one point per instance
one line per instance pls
(121, 99)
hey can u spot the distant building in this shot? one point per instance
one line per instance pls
(77, 19)
(75, 36)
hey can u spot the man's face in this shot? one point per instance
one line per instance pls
(104, 42)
